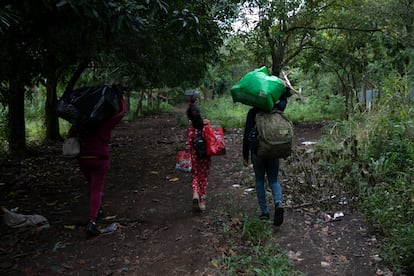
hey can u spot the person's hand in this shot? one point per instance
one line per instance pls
(245, 163)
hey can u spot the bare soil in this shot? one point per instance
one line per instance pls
(159, 234)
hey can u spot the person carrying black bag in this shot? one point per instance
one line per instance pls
(200, 161)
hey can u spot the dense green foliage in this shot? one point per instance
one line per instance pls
(141, 44)
(372, 155)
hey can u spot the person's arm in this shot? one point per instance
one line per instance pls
(250, 123)
(188, 144)
(281, 104)
(73, 131)
(112, 122)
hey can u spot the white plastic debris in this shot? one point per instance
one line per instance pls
(308, 143)
(338, 215)
(16, 220)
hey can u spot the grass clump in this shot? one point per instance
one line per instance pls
(263, 260)
(257, 230)
(254, 251)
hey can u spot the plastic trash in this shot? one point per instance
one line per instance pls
(308, 143)
(16, 220)
(86, 106)
(336, 217)
(109, 229)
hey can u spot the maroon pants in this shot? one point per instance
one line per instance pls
(95, 171)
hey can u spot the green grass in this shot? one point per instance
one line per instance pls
(229, 114)
(254, 251)
(266, 260)
(256, 230)
(225, 112)
(315, 109)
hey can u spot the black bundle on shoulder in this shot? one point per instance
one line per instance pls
(200, 144)
(87, 106)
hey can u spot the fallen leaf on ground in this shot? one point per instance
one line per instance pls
(71, 227)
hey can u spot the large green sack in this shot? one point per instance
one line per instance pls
(258, 89)
(274, 135)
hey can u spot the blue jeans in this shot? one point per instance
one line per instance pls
(271, 169)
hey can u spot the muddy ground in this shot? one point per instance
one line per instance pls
(159, 234)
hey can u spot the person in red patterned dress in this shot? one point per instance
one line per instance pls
(200, 166)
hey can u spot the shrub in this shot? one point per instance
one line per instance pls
(371, 155)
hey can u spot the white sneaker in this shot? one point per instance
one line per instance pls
(202, 206)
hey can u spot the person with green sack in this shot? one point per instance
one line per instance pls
(264, 167)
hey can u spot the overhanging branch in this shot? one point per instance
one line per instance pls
(354, 29)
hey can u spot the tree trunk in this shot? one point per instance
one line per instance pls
(16, 122)
(364, 94)
(150, 104)
(347, 108)
(76, 75)
(52, 121)
(138, 110)
(276, 65)
(277, 52)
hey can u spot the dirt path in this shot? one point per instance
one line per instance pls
(159, 234)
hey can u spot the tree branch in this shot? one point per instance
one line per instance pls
(334, 28)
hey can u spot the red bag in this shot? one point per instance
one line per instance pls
(183, 161)
(215, 140)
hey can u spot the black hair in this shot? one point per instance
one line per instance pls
(193, 113)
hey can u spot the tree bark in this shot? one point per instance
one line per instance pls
(76, 75)
(138, 110)
(52, 121)
(364, 94)
(16, 121)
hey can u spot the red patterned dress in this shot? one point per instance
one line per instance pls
(200, 167)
